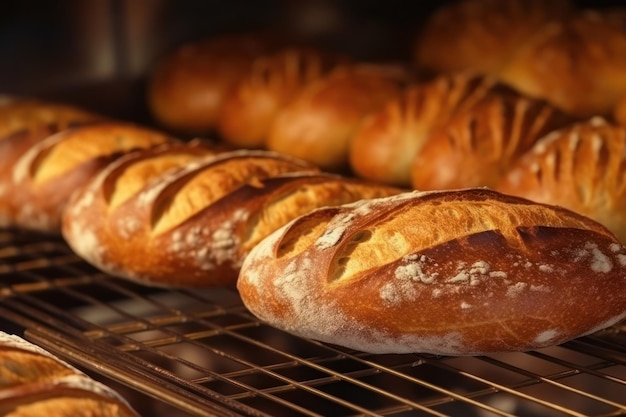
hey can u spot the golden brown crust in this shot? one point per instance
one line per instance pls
(188, 86)
(163, 233)
(478, 146)
(386, 143)
(576, 64)
(271, 83)
(581, 168)
(321, 121)
(46, 175)
(33, 382)
(459, 272)
(480, 35)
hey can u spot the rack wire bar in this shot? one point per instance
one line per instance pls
(202, 353)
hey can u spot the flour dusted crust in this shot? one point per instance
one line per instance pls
(581, 167)
(33, 382)
(45, 176)
(459, 272)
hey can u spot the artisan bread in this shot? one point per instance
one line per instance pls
(581, 167)
(481, 35)
(576, 64)
(33, 382)
(46, 175)
(384, 146)
(478, 146)
(189, 85)
(162, 231)
(457, 272)
(320, 122)
(271, 83)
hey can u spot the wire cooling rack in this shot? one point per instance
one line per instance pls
(200, 353)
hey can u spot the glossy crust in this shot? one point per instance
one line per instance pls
(582, 168)
(577, 64)
(461, 272)
(45, 176)
(384, 146)
(272, 82)
(322, 120)
(478, 146)
(165, 230)
(189, 85)
(480, 35)
(33, 382)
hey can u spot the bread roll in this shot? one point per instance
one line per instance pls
(480, 35)
(33, 382)
(386, 143)
(162, 231)
(577, 64)
(188, 86)
(272, 82)
(459, 272)
(479, 145)
(582, 168)
(320, 123)
(46, 175)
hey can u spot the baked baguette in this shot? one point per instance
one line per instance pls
(582, 168)
(481, 35)
(320, 122)
(46, 175)
(576, 64)
(272, 82)
(189, 85)
(384, 146)
(478, 146)
(458, 272)
(33, 382)
(162, 232)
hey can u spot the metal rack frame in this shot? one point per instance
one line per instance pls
(199, 352)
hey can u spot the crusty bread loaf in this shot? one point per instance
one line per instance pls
(161, 231)
(577, 64)
(272, 82)
(188, 86)
(35, 383)
(386, 143)
(481, 35)
(320, 122)
(36, 190)
(478, 146)
(582, 168)
(458, 272)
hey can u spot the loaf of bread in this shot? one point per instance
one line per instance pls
(478, 146)
(189, 85)
(273, 81)
(577, 64)
(42, 179)
(481, 35)
(384, 146)
(34, 383)
(458, 272)
(320, 122)
(582, 168)
(194, 226)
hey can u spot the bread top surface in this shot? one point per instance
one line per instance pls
(577, 64)
(458, 272)
(581, 167)
(478, 146)
(481, 35)
(385, 144)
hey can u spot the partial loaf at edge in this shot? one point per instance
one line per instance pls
(460, 272)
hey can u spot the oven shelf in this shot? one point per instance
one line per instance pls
(199, 352)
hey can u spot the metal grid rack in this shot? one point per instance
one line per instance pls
(201, 353)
